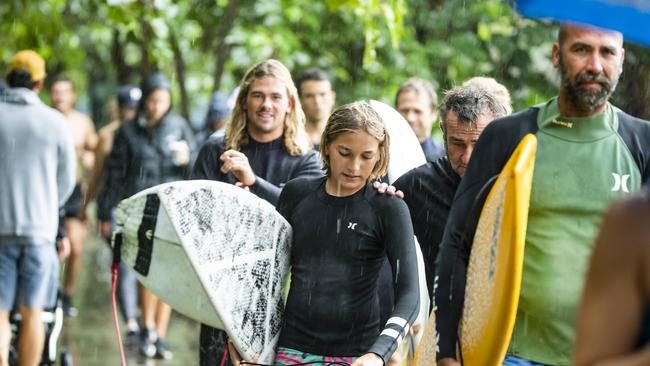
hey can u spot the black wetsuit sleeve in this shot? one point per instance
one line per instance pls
(309, 167)
(428, 192)
(266, 190)
(207, 163)
(286, 201)
(188, 136)
(116, 174)
(494, 147)
(400, 251)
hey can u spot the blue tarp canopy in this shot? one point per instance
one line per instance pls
(630, 17)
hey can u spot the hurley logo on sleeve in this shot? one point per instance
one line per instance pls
(352, 225)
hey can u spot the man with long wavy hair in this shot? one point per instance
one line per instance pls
(264, 146)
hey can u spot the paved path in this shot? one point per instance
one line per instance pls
(91, 336)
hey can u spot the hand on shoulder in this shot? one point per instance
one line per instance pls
(384, 188)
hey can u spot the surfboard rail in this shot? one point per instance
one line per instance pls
(496, 262)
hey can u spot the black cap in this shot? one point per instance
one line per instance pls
(154, 82)
(218, 107)
(128, 96)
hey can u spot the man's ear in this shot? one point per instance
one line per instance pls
(620, 71)
(38, 86)
(556, 55)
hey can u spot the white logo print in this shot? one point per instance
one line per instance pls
(620, 182)
(352, 225)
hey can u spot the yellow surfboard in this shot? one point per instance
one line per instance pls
(496, 262)
(495, 267)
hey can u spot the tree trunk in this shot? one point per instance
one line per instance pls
(99, 79)
(179, 65)
(222, 50)
(147, 65)
(122, 70)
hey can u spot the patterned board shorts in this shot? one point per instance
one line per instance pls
(287, 356)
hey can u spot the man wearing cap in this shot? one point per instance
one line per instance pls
(84, 137)
(215, 120)
(128, 97)
(37, 172)
(151, 149)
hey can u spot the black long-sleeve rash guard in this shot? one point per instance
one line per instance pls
(339, 246)
(428, 192)
(271, 163)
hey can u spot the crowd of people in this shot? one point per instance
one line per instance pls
(354, 291)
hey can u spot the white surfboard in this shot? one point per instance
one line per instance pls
(214, 252)
(405, 150)
(406, 154)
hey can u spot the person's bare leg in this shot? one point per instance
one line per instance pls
(32, 337)
(148, 302)
(5, 338)
(148, 336)
(76, 231)
(163, 314)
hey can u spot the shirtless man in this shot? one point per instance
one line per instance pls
(84, 137)
(127, 102)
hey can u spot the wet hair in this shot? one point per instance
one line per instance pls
(469, 103)
(295, 138)
(311, 74)
(420, 87)
(356, 117)
(498, 90)
(20, 78)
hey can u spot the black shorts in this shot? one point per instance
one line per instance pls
(72, 207)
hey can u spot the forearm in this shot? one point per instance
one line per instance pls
(207, 164)
(266, 190)
(448, 297)
(400, 250)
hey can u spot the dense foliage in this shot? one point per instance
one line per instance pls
(368, 46)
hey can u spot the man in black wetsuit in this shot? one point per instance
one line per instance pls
(264, 146)
(430, 188)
